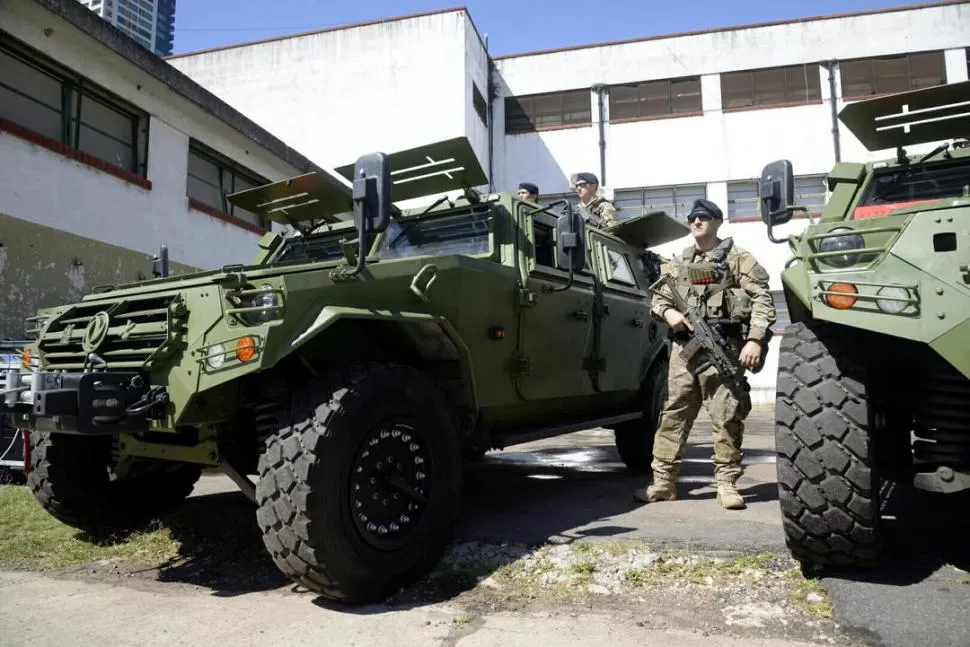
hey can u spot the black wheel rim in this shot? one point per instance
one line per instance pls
(391, 480)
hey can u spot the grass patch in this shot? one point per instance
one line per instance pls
(810, 596)
(31, 538)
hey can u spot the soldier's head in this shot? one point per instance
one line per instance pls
(528, 191)
(704, 219)
(586, 185)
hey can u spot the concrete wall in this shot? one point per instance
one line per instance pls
(67, 225)
(338, 94)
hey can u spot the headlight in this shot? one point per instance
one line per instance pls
(270, 301)
(894, 299)
(216, 355)
(840, 244)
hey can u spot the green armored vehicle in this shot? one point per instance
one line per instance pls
(874, 372)
(351, 367)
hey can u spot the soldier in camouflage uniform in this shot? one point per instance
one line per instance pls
(597, 211)
(743, 296)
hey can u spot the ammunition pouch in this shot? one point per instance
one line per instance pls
(738, 304)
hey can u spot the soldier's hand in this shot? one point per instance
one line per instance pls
(750, 354)
(676, 320)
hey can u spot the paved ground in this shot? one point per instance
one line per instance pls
(556, 490)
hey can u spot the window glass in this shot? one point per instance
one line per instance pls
(466, 234)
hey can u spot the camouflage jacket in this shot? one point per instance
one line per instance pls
(600, 213)
(744, 294)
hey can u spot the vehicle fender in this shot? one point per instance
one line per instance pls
(435, 330)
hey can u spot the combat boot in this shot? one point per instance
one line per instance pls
(659, 490)
(729, 497)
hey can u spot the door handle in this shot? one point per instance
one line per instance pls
(421, 290)
(636, 323)
(580, 315)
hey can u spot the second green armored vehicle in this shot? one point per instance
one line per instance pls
(874, 372)
(351, 367)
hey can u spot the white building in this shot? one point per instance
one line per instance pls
(107, 152)
(150, 22)
(661, 121)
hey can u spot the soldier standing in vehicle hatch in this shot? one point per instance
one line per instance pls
(742, 295)
(596, 210)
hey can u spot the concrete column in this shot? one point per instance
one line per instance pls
(956, 65)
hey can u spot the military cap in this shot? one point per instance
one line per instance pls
(530, 187)
(584, 177)
(706, 206)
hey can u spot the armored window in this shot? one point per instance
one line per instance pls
(462, 233)
(479, 103)
(619, 269)
(41, 96)
(655, 98)
(529, 113)
(545, 244)
(772, 86)
(675, 201)
(864, 77)
(743, 200)
(211, 177)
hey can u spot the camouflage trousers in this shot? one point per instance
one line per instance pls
(686, 393)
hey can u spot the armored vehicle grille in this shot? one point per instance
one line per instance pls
(942, 416)
(130, 333)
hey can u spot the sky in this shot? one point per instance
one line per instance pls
(512, 26)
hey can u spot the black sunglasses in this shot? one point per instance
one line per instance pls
(704, 217)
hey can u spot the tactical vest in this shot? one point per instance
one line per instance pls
(589, 212)
(712, 287)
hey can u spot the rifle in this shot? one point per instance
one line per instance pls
(707, 336)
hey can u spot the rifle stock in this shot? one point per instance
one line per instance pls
(707, 337)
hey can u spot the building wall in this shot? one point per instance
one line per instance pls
(70, 221)
(338, 94)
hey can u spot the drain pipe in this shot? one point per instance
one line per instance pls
(599, 88)
(490, 92)
(833, 104)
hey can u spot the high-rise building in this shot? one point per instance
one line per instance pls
(150, 22)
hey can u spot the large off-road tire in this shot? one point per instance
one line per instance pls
(827, 485)
(70, 477)
(334, 482)
(634, 439)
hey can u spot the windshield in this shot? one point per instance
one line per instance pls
(312, 248)
(463, 233)
(909, 184)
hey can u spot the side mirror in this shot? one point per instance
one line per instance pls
(777, 192)
(571, 241)
(372, 193)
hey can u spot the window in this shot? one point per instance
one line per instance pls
(655, 98)
(478, 101)
(676, 201)
(743, 200)
(774, 86)
(212, 177)
(530, 113)
(43, 97)
(930, 182)
(313, 248)
(463, 233)
(811, 193)
(545, 244)
(619, 269)
(887, 74)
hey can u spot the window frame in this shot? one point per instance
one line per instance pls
(676, 191)
(236, 171)
(77, 91)
(873, 79)
(812, 91)
(642, 101)
(520, 101)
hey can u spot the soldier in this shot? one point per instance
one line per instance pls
(741, 295)
(528, 191)
(597, 211)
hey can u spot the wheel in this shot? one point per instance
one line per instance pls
(827, 484)
(359, 490)
(72, 479)
(634, 439)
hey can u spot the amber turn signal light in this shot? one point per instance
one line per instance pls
(842, 296)
(26, 358)
(245, 349)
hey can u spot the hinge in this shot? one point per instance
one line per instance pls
(527, 298)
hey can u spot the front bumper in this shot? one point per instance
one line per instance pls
(84, 403)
